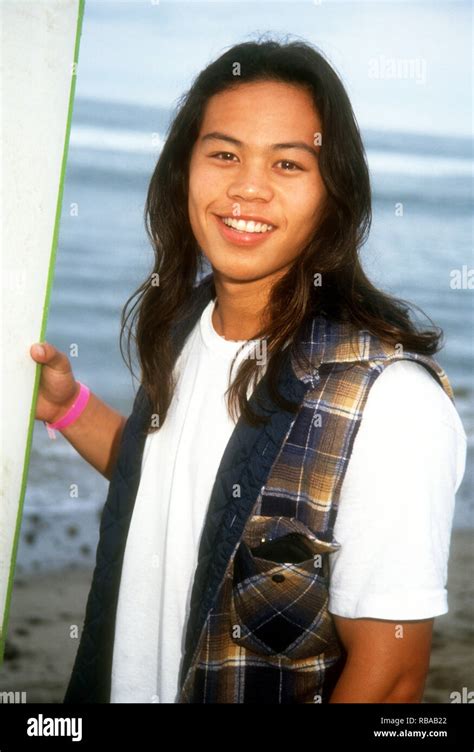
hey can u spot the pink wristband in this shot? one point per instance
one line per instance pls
(72, 414)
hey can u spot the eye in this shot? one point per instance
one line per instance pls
(288, 166)
(223, 156)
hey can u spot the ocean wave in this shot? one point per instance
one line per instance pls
(384, 161)
(121, 140)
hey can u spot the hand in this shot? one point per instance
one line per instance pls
(58, 388)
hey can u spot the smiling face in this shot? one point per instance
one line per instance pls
(255, 190)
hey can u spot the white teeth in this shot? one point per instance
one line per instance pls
(243, 226)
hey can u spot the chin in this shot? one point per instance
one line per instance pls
(241, 272)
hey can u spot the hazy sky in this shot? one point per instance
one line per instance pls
(148, 52)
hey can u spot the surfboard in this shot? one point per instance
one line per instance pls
(40, 52)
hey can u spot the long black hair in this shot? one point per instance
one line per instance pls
(345, 294)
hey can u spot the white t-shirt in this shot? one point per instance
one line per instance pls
(394, 520)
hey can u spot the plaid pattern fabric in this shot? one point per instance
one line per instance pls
(269, 637)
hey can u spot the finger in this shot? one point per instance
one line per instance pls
(44, 352)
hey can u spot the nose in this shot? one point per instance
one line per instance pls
(250, 184)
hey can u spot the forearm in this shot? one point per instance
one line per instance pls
(96, 434)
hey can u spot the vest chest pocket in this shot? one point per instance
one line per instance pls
(280, 592)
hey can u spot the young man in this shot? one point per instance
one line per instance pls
(300, 555)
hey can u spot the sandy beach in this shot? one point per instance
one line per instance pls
(47, 613)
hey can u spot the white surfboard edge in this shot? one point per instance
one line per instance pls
(40, 52)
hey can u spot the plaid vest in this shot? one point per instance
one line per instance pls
(267, 635)
(259, 630)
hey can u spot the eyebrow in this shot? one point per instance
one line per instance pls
(217, 136)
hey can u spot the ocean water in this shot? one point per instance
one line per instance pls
(103, 255)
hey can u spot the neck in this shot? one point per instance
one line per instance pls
(241, 307)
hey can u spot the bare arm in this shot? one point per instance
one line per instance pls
(96, 433)
(387, 661)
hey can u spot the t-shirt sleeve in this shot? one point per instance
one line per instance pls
(397, 501)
